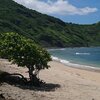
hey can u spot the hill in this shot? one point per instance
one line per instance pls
(46, 30)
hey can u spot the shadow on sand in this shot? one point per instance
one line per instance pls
(19, 82)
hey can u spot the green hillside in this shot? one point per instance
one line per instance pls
(46, 30)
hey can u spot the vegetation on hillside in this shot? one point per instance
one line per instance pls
(24, 52)
(46, 30)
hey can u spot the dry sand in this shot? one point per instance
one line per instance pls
(63, 83)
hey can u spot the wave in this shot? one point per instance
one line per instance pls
(68, 63)
(57, 49)
(59, 60)
(77, 53)
(55, 58)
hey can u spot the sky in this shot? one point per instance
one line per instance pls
(75, 11)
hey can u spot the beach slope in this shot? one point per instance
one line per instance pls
(62, 83)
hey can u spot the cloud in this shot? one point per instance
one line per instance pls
(60, 7)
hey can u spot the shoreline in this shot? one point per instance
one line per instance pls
(78, 53)
(74, 65)
(80, 70)
(88, 74)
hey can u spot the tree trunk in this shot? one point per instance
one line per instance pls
(30, 74)
(16, 74)
(33, 77)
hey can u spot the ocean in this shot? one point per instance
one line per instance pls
(85, 57)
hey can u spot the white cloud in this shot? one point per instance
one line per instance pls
(60, 7)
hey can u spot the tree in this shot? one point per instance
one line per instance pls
(24, 52)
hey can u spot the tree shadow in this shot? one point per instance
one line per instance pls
(19, 82)
(44, 87)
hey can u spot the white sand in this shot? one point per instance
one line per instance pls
(75, 84)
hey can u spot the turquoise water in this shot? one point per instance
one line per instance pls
(82, 56)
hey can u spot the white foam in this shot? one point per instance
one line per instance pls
(63, 49)
(55, 58)
(68, 63)
(60, 60)
(57, 49)
(64, 61)
(77, 53)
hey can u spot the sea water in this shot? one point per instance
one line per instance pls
(77, 57)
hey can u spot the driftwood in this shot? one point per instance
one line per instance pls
(12, 78)
(17, 78)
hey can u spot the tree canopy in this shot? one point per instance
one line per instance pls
(24, 52)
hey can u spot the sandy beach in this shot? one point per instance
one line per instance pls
(62, 83)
